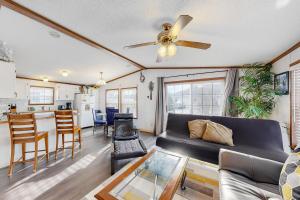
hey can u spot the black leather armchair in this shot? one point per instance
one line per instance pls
(247, 177)
(124, 128)
(126, 141)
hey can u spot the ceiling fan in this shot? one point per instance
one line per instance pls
(167, 39)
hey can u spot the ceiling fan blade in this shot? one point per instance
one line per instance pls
(140, 45)
(180, 23)
(191, 44)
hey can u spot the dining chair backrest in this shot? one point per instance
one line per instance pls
(64, 121)
(95, 115)
(22, 126)
(110, 114)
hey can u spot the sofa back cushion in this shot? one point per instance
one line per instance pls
(257, 133)
(218, 133)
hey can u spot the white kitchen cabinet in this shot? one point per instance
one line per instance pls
(66, 92)
(22, 89)
(7, 80)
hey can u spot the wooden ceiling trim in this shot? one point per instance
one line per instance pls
(295, 63)
(39, 18)
(200, 67)
(36, 79)
(294, 47)
(124, 75)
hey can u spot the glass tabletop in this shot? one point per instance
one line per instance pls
(149, 180)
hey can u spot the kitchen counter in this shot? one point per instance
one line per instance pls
(39, 115)
(45, 122)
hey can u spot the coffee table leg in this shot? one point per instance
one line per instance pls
(183, 180)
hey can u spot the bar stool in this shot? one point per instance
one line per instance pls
(22, 131)
(64, 126)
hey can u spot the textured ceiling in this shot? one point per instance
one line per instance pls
(240, 31)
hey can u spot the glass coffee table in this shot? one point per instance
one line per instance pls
(155, 176)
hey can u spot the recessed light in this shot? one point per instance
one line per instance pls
(54, 34)
(45, 79)
(65, 73)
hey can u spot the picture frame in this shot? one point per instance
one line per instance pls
(281, 83)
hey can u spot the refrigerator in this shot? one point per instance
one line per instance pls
(84, 104)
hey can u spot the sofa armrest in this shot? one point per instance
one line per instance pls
(255, 168)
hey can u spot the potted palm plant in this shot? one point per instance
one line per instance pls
(257, 94)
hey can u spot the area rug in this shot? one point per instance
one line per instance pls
(202, 182)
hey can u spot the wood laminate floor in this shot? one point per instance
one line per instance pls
(64, 178)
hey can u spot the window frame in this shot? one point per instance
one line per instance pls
(136, 99)
(114, 89)
(42, 104)
(166, 83)
(292, 135)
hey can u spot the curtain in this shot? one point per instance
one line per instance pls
(160, 108)
(231, 89)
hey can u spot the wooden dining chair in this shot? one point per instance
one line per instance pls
(22, 131)
(65, 126)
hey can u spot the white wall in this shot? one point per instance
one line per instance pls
(281, 112)
(146, 107)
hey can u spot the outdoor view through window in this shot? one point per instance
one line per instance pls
(201, 98)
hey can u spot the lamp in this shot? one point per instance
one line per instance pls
(101, 81)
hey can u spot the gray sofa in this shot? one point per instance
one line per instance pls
(261, 138)
(246, 177)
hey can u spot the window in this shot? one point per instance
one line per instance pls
(41, 95)
(112, 98)
(295, 108)
(198, 97)
(129, 101)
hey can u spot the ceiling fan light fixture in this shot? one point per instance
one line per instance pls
(171, 50)
(168, 50)
(162, 51)
(101, 80)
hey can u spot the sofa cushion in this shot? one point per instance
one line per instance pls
(289, 181)
(237, 187)
(218, 133)
(197, 127)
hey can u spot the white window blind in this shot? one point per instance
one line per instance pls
(112, 98)
(295, 107)
(129, 101)
(41, 95)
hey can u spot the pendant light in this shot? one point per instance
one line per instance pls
(101, 81)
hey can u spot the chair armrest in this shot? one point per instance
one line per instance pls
(253, 167)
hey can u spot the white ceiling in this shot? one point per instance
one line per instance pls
(39, 55)
(240, 31)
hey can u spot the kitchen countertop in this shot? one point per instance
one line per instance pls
(40, 114)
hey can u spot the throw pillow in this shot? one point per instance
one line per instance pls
(218, 133)
(289, 181)
(197, 128)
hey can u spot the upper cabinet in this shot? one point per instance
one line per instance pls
(66, 92)
(7, 80)
(22, 89)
